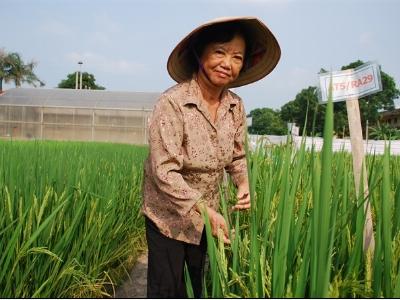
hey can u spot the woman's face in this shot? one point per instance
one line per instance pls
(222, 62)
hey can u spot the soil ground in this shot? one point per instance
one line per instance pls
(136, 284)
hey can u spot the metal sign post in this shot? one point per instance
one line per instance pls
(350, 85)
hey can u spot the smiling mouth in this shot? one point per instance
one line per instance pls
(222, 74)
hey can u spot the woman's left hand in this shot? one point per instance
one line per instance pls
(243, 196)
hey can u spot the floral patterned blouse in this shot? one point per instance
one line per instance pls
(188, 154)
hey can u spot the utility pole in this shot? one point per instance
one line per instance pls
(80, 71)
(76, 79)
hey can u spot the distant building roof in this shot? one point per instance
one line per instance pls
(388, 114)
(72, 98)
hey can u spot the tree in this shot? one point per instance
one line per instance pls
(370, 106)
(384, 132)
(267, 121)
(4, 68)
(305, 111)
(20, 72)
(13, 68)
(88, 82)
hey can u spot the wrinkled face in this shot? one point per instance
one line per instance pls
(222, 62)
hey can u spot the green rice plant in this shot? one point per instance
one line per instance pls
(323, 219)
(70, 220)
(189, 287)
(303, 236)
(383, 204)
(285, 242)
(386, 226)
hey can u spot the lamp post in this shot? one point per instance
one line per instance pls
(76, 79)
(80, 71)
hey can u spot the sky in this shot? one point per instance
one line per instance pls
(126, 44)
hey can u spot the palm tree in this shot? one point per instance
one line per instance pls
(21, 72)
(5, 67)
(13, 68)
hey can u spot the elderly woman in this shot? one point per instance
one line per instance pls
(196, 132)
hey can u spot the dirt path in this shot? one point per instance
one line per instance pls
(136, 285)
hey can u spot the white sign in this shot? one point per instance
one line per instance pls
(352, 83)
(293, 129)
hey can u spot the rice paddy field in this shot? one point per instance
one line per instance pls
(70, 224)
(303, 236)
(69, 217)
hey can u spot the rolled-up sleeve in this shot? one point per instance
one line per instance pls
(166, 157)
(237, 169)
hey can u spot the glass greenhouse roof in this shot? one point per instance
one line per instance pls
(78, 98)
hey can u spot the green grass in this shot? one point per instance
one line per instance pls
(303, 236)
(300, 242)
(70, 223)
(69, 217)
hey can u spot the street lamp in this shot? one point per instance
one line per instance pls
(80, 71)
(76, 76)
(76, 79)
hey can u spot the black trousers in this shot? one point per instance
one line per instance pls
(167, 257)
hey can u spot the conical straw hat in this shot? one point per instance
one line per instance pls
(262, 59)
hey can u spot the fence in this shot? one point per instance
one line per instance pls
(370, 146)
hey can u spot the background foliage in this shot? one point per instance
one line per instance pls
(306, 106)
(88, 82)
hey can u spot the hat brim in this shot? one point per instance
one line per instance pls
(264, 56)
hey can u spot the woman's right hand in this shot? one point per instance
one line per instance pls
(218, 225)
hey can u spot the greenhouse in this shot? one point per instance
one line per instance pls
(78, 115)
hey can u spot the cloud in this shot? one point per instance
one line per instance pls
(56, 28)
(100, 29)
(105, 64)
(266, 2)
(288, 82)
(366, 39)
(301, 77)
(100, 37)
(104, 29)
(104, 22)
